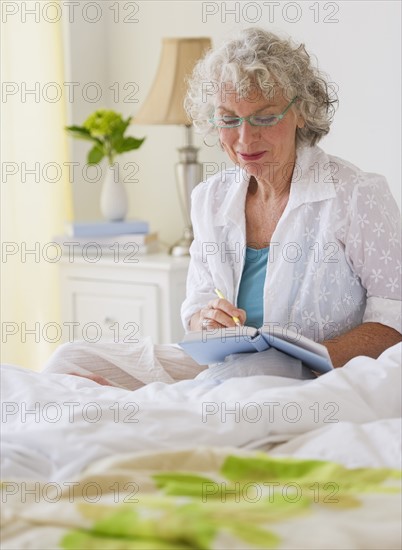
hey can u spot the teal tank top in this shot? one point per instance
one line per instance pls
(251, 289)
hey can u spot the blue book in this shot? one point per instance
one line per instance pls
(104, 229)
(211, 346)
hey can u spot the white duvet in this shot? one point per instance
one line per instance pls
(55, 425)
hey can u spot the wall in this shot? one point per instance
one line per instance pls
(357, 43)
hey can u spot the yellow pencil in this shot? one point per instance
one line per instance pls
(220, 295)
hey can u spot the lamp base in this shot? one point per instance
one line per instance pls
(182, 246)
(188, 175)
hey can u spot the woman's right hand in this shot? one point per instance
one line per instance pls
(217, 313)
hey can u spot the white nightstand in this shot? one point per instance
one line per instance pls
(123, 300)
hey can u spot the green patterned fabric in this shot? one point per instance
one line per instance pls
(241, 504)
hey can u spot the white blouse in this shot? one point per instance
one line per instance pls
(335, 256)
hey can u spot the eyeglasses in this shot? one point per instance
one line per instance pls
(229, 121)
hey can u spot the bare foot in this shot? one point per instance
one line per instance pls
(95, 377)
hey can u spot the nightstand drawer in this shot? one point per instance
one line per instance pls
(123, 301)
(112, 310)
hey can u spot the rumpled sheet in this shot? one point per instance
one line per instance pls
(58, 430)
(54, 425)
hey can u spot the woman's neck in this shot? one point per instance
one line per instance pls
(266, 192)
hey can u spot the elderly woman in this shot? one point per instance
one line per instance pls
(292, 237)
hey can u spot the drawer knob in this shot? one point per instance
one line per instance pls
(109, 321)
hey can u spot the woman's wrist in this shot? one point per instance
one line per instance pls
(335, 353)
(369, 339)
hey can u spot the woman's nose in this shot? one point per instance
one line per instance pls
(247, 132)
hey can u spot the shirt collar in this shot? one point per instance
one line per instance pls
(234, 206)
(312, 181)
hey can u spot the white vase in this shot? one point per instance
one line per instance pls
(113, 201)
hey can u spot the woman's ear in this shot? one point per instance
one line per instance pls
(300, 122)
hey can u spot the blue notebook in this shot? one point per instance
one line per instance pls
(104, 229)
(213, 345)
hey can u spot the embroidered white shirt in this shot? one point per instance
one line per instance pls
(335, 256)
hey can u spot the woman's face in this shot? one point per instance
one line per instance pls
(263, 151)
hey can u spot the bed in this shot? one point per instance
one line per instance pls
(256, 462)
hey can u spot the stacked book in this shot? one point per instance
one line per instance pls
(131, 236)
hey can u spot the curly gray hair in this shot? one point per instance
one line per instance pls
(260, 58)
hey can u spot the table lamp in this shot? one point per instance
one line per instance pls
(164, 105)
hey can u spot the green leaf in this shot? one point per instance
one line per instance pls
(178, 483)
(95, 155)
(187, 525)
(305, 472)
(255, 535)
(79, 132)
(77, 540)
(125, 124)
(128, 144)
(118, 130)
(79, 129)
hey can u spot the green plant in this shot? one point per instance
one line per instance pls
(106, 130)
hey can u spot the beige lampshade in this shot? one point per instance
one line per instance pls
(164, 104)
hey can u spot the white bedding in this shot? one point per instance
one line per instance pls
(351, 415)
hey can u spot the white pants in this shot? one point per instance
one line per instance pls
(132, 366)
(126, 365)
